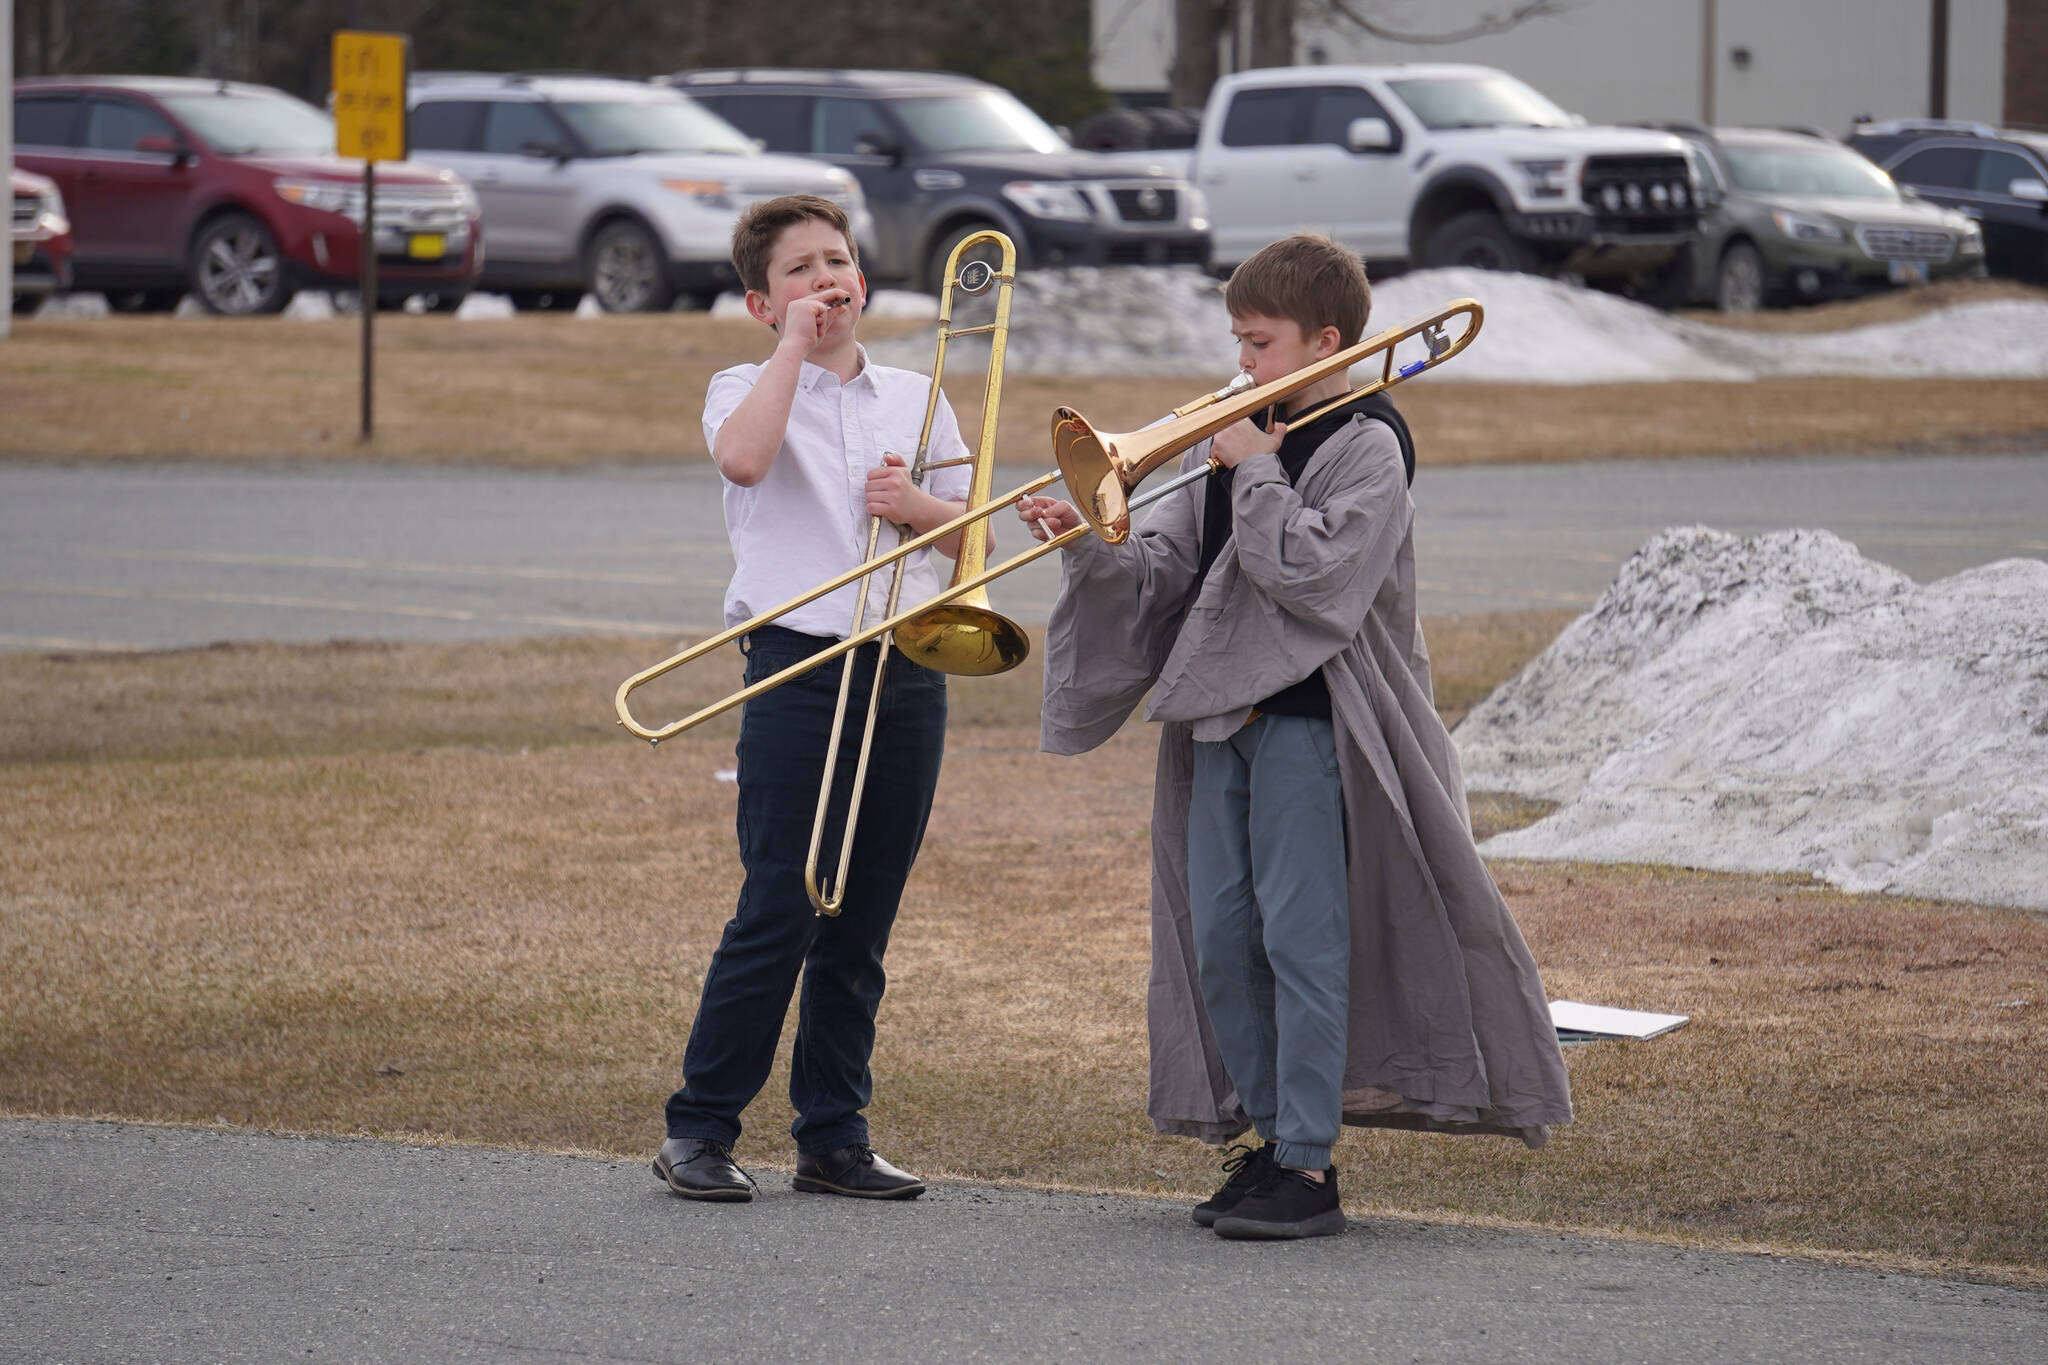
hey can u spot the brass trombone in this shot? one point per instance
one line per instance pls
(1102, 470)
(964, 634)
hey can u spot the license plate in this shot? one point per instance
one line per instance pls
(427, 246)
(1907, 272)
(23, 251)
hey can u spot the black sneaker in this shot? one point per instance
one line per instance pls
(1287, 1204)
(1245, 1167)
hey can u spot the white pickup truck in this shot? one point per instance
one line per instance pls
(1436, 165)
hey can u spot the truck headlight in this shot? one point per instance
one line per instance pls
(1970, 238)
(1043, 200)
(1802, 227)
(1546, 178)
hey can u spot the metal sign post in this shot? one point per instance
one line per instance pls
(7, 161)
(370, 71)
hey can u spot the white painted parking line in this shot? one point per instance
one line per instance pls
(362, 608)
(57, 642)
(388, 566)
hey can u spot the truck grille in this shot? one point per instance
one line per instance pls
(1145, 203)
(1906, 244)
(1638, 194)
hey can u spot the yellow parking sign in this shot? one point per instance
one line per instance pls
(369, 94)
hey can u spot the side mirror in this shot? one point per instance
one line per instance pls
(2033, 191)
(873, 144)
(1369, 135)
(156, 144)
(1909, 191)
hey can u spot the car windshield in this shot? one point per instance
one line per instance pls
(242, 124)
(1478, 102)
(980, 121)
(624, 127)
(1834, 171)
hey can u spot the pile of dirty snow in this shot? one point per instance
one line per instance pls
(1781, 704)
(1171, 322)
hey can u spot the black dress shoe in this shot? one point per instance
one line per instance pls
(857, 1171)
(697, 1168)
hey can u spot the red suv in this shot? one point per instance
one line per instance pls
(233, 192)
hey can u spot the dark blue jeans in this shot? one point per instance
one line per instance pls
(775, 934)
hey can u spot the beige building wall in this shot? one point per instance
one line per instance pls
(1818, 62)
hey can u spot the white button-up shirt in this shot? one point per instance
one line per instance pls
(807, 520)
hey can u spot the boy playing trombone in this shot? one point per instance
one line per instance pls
(806, 445)
(1327, 945)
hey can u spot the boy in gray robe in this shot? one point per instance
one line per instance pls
(1327, 945)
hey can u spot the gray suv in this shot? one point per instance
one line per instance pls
(943, 156)
(619, 188)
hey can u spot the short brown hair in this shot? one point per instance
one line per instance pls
(1306, 278)
(755, 234)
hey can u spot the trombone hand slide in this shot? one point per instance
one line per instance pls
(1136, 454)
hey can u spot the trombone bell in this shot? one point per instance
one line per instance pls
(1093, 479)
(963, 639)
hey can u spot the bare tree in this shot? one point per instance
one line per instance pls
(1360, 14)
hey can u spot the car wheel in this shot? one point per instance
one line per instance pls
(546, 300)
(145, 300)
(237, 269)
(629, 271)
(1478, 240)
(934, 278)
(24, 304)
(448, 302)
(1739, 282)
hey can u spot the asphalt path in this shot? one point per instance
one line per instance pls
(132, 1243)
(150, 556)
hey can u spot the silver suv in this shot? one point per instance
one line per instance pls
(619, 188)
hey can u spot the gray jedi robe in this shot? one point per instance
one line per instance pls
(1449, 1028)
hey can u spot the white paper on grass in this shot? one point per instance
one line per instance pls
(1572, 1016)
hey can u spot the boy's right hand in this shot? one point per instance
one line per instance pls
(804, 324)
(1047, 517)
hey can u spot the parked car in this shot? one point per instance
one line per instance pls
(1998, 177)
(624, 189)
(234, 192)
(41, 240)
(942, 157)
(1796, 218)
(1426, 164)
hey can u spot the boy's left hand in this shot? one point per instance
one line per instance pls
(891, 494)
(1233, 443)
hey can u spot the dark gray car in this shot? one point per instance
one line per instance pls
(1797, 218)
(942, 156)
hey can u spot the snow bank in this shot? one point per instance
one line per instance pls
(1171, 321)
(1781, 704)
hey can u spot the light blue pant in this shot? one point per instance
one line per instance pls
(1273, 927)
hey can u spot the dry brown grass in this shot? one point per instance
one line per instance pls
(419, 890)
(563, 391)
